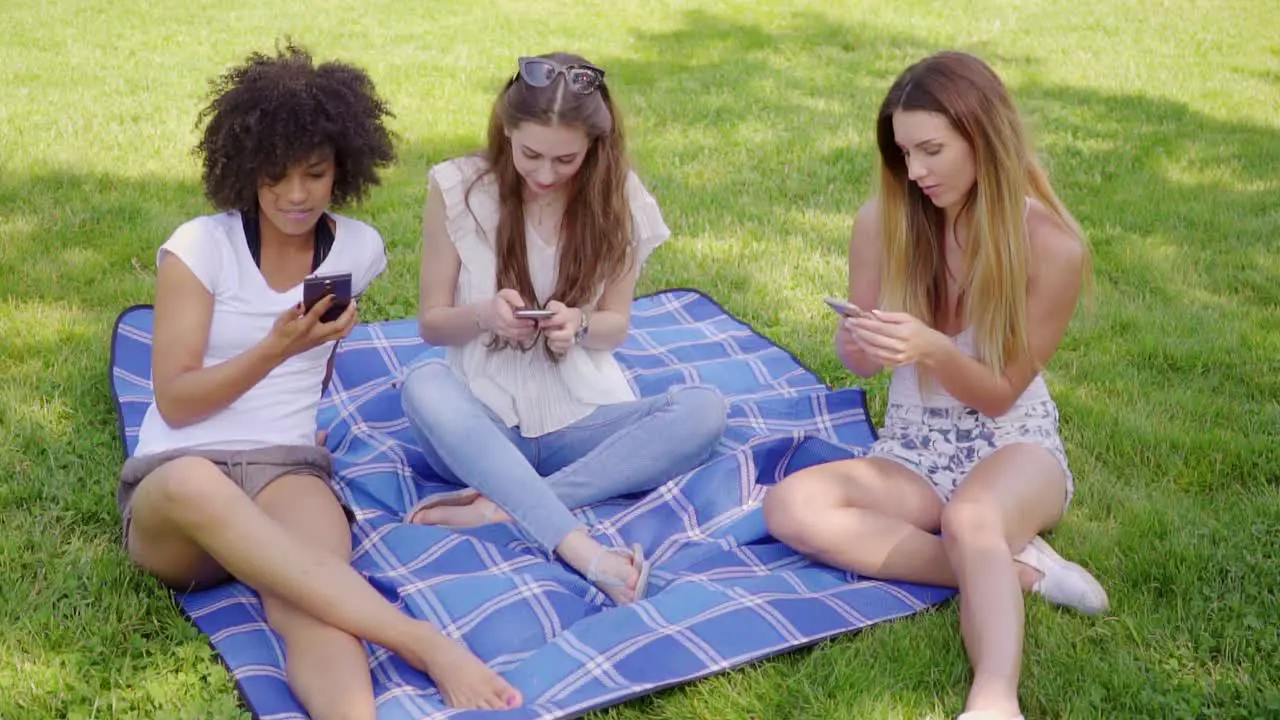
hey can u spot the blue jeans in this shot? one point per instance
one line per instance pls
(616, 450)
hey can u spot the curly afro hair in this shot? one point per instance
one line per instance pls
(271, 113)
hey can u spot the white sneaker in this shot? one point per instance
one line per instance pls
(1064, 582)
(983, 715)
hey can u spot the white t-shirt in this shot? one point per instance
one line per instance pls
(526, 389)
(281, 408)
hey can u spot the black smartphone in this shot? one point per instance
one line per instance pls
(315, 287)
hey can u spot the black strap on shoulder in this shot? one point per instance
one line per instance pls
(253, 236)
(324, 242)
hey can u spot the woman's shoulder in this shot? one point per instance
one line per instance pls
(361, 251)
(1051, 239)
(358, 231)
(637, 192)
(205, 244)
(356, 228)
(866, 234)
(459, 171)
(869, 212)
(218, 225)
(205, 238)
(635, 183)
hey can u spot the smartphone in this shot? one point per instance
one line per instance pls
(844, 307)
(315, 287)
(531, 314)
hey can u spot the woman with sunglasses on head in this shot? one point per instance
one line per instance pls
(977, 268)
(226, 480)
(533, 414)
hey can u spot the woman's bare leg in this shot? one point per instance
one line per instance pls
(188, 509)
(328, 669)
(1004, 502)
(870, 516)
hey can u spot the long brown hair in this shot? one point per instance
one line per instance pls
(993, 300)
(596, 244)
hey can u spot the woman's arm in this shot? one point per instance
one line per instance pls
(1053, 287)
(865, 257)
(440, 322)
(187, 392)
(612, 317)
(607, 326)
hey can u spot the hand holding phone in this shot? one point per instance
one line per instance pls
(844, 307)
(315, 287)
(499, 316)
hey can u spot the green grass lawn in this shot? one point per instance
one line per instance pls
(752, 123)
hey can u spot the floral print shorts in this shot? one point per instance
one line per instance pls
(943, 444)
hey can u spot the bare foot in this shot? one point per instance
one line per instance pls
(480, 511)
(616, 575)
(463, 680)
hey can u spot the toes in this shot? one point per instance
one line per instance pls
(513, 698)
(503, 694)
(491, 701)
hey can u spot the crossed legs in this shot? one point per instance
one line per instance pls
(192, 527)
(874, 517)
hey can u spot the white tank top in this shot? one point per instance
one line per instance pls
(904, 387)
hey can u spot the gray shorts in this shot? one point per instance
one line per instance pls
(942, 445)
(251, 470)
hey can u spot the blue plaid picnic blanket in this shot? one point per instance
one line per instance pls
(723, 592)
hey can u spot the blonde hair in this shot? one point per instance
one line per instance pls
(993, 299)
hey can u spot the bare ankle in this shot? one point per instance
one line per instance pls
(996, 696)
(1027, 576)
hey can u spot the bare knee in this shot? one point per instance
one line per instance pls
(164, 507)
(789, 508)
(967, 523)
(188, 490)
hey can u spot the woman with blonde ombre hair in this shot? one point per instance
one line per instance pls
(975, 269)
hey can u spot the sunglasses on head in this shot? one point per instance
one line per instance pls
(541, 72)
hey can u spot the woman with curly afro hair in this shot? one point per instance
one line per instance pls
(227, 480)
